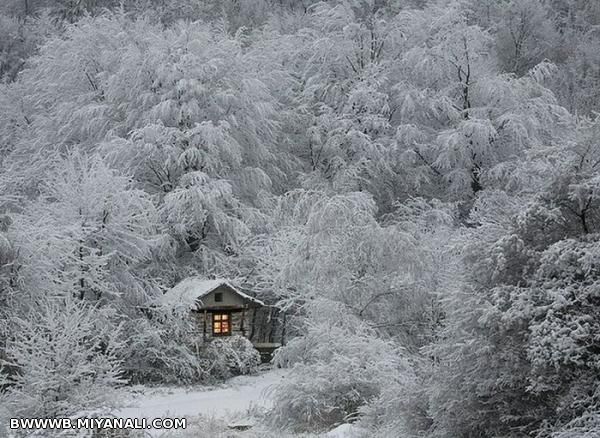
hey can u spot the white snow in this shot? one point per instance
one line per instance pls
(343, 431)
(238, 395)
(230, 402)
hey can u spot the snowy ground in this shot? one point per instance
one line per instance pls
(211, 411)
(238, 395)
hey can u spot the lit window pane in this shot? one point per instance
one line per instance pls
(221, 324)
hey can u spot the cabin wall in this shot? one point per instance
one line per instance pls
(260, 324)
(197, 323)
(239, 326)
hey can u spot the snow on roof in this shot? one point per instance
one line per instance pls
(187, 292)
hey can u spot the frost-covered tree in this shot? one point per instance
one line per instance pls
(63, 360)
(186, 110)
(19, 40)
(462, 123)
(343, 83)
(414, 182)
(101, 243)
(518, 335)
(524, 32)
(339, 366)
(331, 247)
(96, 231)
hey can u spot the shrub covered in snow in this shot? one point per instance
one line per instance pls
(64, 361)
(585, 426)
(160, 350)
(338, 367)
(400, 408)
(226, 357)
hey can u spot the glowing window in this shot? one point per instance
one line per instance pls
(221, 324)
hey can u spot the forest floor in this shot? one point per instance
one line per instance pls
(215, 411)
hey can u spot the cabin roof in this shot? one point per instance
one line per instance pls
(189, 291)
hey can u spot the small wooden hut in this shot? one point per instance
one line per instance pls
(220, 309)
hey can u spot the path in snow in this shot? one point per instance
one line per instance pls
(237, 395)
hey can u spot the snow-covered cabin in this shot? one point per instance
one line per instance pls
(221, 309)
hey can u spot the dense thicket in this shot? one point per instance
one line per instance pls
(415, 181)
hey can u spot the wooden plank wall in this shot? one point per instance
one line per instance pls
(260, 325)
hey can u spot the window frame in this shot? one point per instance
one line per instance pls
(214, 321)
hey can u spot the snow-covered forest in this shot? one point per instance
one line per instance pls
(415, 183)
